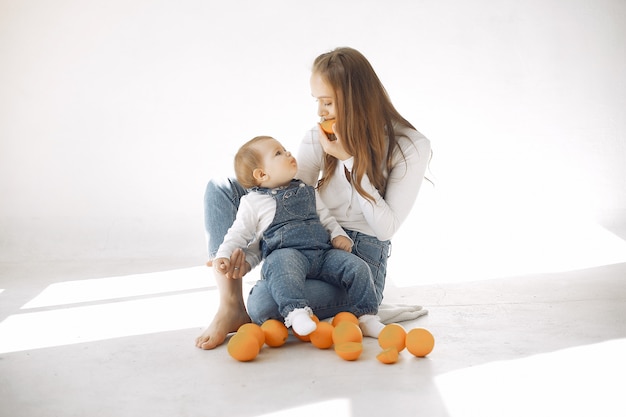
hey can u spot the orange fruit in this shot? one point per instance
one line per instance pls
(349, 351)
(327, 126)
(346, 331)
(420, 342)
(392, 335)
(255, 330)
(344, 316)
(243, 346)
(322, 337)
(275, 332)
(306, 338)
(389, 355)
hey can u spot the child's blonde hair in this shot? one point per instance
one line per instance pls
(247, 159)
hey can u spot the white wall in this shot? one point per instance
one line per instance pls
(114, 114)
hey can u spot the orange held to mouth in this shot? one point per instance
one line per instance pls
(327, 126)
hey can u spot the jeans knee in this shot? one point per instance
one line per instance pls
(261, 306)
(217, 188)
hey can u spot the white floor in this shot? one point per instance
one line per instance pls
(115, 338)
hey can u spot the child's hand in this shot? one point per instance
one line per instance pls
(221, 265)
(235, 267)
(342, 242)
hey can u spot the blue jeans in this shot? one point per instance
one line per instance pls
(285, 272)
(221, 201)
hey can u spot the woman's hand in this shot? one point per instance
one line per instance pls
(342, 242)
(235, 267)
(333, 147)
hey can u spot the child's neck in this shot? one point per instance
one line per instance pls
(269, 184)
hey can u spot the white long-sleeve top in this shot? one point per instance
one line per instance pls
(255, 214)
(354, 212)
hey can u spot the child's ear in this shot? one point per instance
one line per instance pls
(259, 175)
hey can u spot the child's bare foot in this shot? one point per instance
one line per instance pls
(226, 320)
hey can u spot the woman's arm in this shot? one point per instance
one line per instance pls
(310, 157)
(386, 215)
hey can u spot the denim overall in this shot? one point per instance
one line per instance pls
(296, 224)
(296, 247)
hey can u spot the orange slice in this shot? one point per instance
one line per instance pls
(349, 351)
(388, 356)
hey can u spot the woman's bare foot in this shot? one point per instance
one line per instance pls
(226, 320)
(231, 313)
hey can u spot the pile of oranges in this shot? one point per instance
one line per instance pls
(343, 334)
(393, 339)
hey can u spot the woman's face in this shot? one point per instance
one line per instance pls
(325, 96)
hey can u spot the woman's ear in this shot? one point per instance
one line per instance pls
(259, 175)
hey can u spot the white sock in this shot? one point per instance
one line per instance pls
(370, 325)
(301, 321)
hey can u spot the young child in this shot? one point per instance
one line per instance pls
(299, 240)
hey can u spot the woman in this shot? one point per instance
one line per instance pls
(368, 174)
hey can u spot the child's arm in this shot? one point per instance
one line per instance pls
(242, 232)
(255, 214)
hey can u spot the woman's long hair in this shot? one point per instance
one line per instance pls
(364, 117)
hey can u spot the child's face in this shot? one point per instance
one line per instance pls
(325, 96)
(279, 166)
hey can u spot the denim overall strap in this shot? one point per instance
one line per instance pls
(296, 223)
